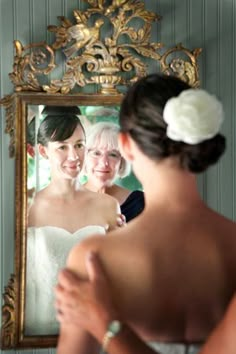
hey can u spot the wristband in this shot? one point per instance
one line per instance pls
(113, 330)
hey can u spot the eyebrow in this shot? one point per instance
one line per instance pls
(100, 148)
(65, 142)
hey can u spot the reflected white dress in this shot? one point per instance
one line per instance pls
(174, 348)
(47, 251)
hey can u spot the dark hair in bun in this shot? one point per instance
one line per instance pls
(141, 115)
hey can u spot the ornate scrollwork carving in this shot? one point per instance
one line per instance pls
(187, 70)
(8, 315)
(38, 60)
(9, 104)
(93, 57)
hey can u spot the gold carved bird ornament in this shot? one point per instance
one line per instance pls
(83, 36)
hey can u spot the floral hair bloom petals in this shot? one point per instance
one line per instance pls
(193, 116)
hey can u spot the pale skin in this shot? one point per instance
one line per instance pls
(102, 171)
(89, 304)
(222, 340)
(62, 196)
(178, 249)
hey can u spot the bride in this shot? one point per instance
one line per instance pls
(60, 216)
(171, 270)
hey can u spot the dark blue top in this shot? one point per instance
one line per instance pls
(133, 205)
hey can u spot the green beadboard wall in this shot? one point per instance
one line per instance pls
(210, 24)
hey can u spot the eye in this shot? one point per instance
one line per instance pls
(79, 145)
(62, 147)
(95, 153)
(114, 154)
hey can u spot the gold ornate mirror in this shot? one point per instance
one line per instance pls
(105, 49)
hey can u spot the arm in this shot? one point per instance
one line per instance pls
(223, 340)
(94, 308)
(73, 338)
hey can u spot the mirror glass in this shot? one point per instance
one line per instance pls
(38, 173)
(38, 273)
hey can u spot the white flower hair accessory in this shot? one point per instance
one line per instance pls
(193, 116)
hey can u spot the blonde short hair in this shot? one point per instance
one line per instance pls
(105, 135)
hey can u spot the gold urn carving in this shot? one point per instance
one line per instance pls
(108, 45)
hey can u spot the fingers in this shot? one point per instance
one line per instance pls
(121, 220)
(67, 286)
(62, 296)
(63, 314)
(67, 279)
(94, 267)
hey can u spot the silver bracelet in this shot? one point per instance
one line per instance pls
(113, 330)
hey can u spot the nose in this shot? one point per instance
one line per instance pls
(73, 155)
(104, 160)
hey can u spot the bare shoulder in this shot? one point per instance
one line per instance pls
(103, 246)
(78, 254)
(223, 224)
(100, 200)
(212, 218)
(111, 201)
(103, 198)
(38, 206)
(40, 196)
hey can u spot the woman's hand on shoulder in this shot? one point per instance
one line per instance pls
(116, 219)
(121, 220)
(87, 304)
(76, 260)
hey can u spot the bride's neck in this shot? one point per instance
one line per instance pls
(98, 187)
(167, 183)
(64, 188)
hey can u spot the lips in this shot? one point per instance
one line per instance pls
(102, 171)
(72, 167)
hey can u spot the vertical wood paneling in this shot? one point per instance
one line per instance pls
(225, 92)
(39, 20)
(7, 166)
(210, 24)
(233, 107)
(202, 64)
(167, 28)
(180, 30)
(213, 173)
(23, 28)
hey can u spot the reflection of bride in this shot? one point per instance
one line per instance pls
(59, 217)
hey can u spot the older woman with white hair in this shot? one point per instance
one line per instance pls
(104, 165)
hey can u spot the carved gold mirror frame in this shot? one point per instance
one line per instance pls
(93, 62)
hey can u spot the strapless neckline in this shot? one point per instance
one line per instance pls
(88, 228)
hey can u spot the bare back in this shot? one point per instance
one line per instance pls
(172, 274)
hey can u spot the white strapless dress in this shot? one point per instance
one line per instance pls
(174, 348)
(47, 251)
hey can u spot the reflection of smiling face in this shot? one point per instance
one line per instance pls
(103, 164)
(66, 157)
